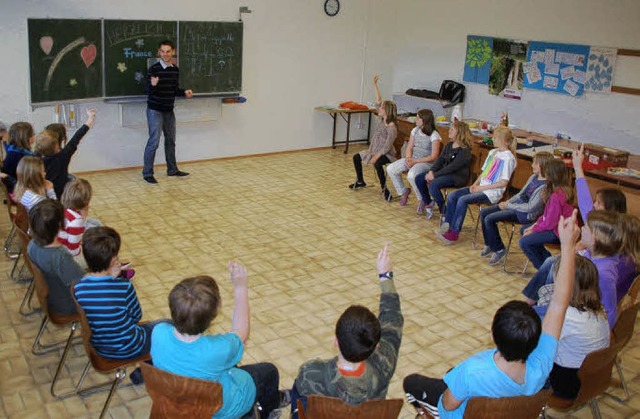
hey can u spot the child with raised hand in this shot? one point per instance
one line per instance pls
(422, 150)
(381, 150)
(32, 187)
(524, 354)
(184, 348)
(48, 255)
(367, 350)
(21, 139)
(523, 207)
(451, 169)
(56, 160)
(488, 188)
(559, 199)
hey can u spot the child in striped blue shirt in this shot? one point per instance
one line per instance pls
(110, 302)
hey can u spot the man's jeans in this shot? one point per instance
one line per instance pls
(160, 122)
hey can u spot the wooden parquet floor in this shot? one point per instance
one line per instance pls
(310, 245)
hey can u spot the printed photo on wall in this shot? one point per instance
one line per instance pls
(507, 75)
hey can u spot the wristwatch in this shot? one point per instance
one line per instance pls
(386, 275)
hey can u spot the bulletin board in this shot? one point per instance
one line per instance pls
(554, 67)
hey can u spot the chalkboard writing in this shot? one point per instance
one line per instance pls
(210, 56)
(65, 61)
(128, 47)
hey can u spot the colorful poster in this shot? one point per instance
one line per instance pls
(546, 61)
(507, 68)
(600, 69)
(477, 63)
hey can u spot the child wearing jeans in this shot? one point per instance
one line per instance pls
(110, 302)
(183, 348)
(488, 188)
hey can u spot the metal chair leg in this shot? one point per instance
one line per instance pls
(9, 241)
(120, 375)
(74, 326)
(595, 410)
(618, 365)
(475, 233)
(38, 348)
(26, 301)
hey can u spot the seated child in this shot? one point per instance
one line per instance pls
(488, 188)
(75, 200)
(21, 138)
(629, 254)
(585, 330)
(31, 186)
(56, 160)
(380, 151)
(451, 169)
(525, 349)
(422, 150)
(109, 302)
(367, 350)
(523, 207)
(559, 199)
(184, 348)
(48, 255)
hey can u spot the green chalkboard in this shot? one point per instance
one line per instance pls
(129, 46)
(65, 59)
(210, 56)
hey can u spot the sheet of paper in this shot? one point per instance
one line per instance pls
(528, 66)
(550, 82)
(567, 72)
(534, 75)
(549, 56)
(579, 76)
(553, 69)
(571, 87)
(537, 56)
(569, 58)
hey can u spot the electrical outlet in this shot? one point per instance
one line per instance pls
(360, 125)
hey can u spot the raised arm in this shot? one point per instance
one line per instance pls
(585, 203)
(568, 232)
(375, 86)
(240, 323)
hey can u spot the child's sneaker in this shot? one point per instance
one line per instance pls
(444, 227)
(357, 185)
(429, 209)
(405, 197)
(448, 238)
(136, 376)
(497, 257)
(387, 195)
(127, 274)
(486, 252)
(420, 209)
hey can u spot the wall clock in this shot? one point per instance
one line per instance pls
(331, 7)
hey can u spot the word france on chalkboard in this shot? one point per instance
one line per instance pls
(65, 60)
(129, 46)
(210, 54)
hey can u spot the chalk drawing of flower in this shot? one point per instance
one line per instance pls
(73, 82)
(122, 67)
(138, 76)
(478, 54)
(140, 43)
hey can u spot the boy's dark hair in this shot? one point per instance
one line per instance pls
(516, 330)
(99, 246)
(613, 199)
(46, 219)
(358, 333)
(194, 303)
(166, 42)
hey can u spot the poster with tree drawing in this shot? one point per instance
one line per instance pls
(477, 63)
(65, 59)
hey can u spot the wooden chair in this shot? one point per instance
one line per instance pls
(20, 221)
(511, 233)
(595, 378)
(176, 396)
(321, 407)
(28, 295)
(622, 333)
(12, 211)
(101, 364)
(521, 407)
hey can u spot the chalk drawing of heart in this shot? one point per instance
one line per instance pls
(46, 43)
(88, 54)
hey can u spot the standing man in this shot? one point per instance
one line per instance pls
(163, 85)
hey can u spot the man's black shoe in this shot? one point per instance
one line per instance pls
(151, 180)
(178, 173)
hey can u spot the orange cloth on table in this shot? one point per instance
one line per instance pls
(354, 106)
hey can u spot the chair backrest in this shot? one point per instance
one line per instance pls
(40, 283)
(623, 329)
(11, 205)
(632, 295)
(176, 396)
(21, 218)
(595, 373)
(321, 407)
(522, 407)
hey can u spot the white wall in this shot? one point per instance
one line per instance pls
(431, 45)
(295, 58)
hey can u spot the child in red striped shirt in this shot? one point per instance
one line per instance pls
(75, 200)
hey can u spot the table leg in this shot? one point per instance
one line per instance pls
(346, 148)
(369, 129)
(333, 139)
